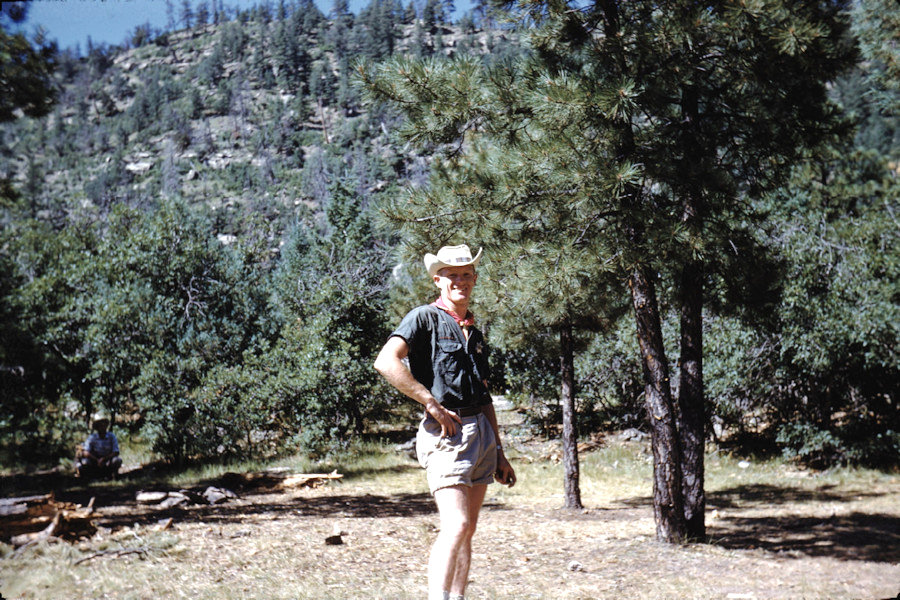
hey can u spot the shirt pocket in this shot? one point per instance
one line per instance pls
(448, 362)
(448, 345)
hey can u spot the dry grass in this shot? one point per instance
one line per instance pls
(777, 532)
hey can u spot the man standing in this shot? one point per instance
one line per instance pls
(458, 441)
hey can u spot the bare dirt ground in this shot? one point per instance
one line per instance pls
(785, 534)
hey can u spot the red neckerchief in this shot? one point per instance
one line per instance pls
(469, 321)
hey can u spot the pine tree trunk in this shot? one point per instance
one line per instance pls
(668, 505)
(570, 426)
(691, 405)
(691, 409)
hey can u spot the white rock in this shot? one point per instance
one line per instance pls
(632, 434)
(174, 499)
(215, 495)
(138, 167)
(150, 497)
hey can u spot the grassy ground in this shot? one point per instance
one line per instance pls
(776, 532)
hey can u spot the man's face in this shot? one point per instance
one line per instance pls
(456, 283)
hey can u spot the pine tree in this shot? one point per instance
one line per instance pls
(448, 7)
(332, 288)
(26, 71)
(187, 14)
(202, 15)
(548, 273)
(341, 25)
(484, 13)
(312, 17)
(32, 190)
(432, 15)
(378, 21)
(170, 15)
(409, 14)
(283, 54)
(418, 46)
(656, 126)
(876, 25)
(467, 24)
(171, 182)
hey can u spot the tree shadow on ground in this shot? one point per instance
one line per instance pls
(340, 506)
(857, 536)
(276, 506)
(64, 482)
(854, 536)
(749, 496)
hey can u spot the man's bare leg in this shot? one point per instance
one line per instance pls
(454, 540)
(474, 500)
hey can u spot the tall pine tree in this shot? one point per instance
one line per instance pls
(658, 125)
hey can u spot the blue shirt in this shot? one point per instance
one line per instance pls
(102, 446)
(441, 359)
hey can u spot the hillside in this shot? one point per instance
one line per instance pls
(257, 113)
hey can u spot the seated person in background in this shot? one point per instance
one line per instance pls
(99, 455)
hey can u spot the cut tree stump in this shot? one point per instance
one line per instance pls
(29, 519)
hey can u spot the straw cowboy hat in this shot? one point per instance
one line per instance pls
(99, 417)
(451, 256)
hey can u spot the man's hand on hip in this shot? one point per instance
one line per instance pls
(448, 420)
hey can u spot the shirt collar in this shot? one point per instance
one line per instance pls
(468, 321)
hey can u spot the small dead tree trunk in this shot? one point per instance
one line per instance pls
(570, 426)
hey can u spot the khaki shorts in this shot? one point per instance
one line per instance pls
(467, 458)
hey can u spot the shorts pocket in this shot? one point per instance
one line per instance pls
(451, 443)
(431, 426)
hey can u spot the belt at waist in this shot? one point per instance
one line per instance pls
(466, 411)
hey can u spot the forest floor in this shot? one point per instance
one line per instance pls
(775, 531)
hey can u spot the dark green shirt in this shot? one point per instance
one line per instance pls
(441, 359)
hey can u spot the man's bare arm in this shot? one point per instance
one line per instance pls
(505, 473)
(390, 364)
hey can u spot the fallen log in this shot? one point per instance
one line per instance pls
(277, 480)
(309, 479)
(29, 519)
(27, 506)
(166, 500)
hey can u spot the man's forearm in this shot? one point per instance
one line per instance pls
(391, 366)
(488, 410)
(396, 374)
